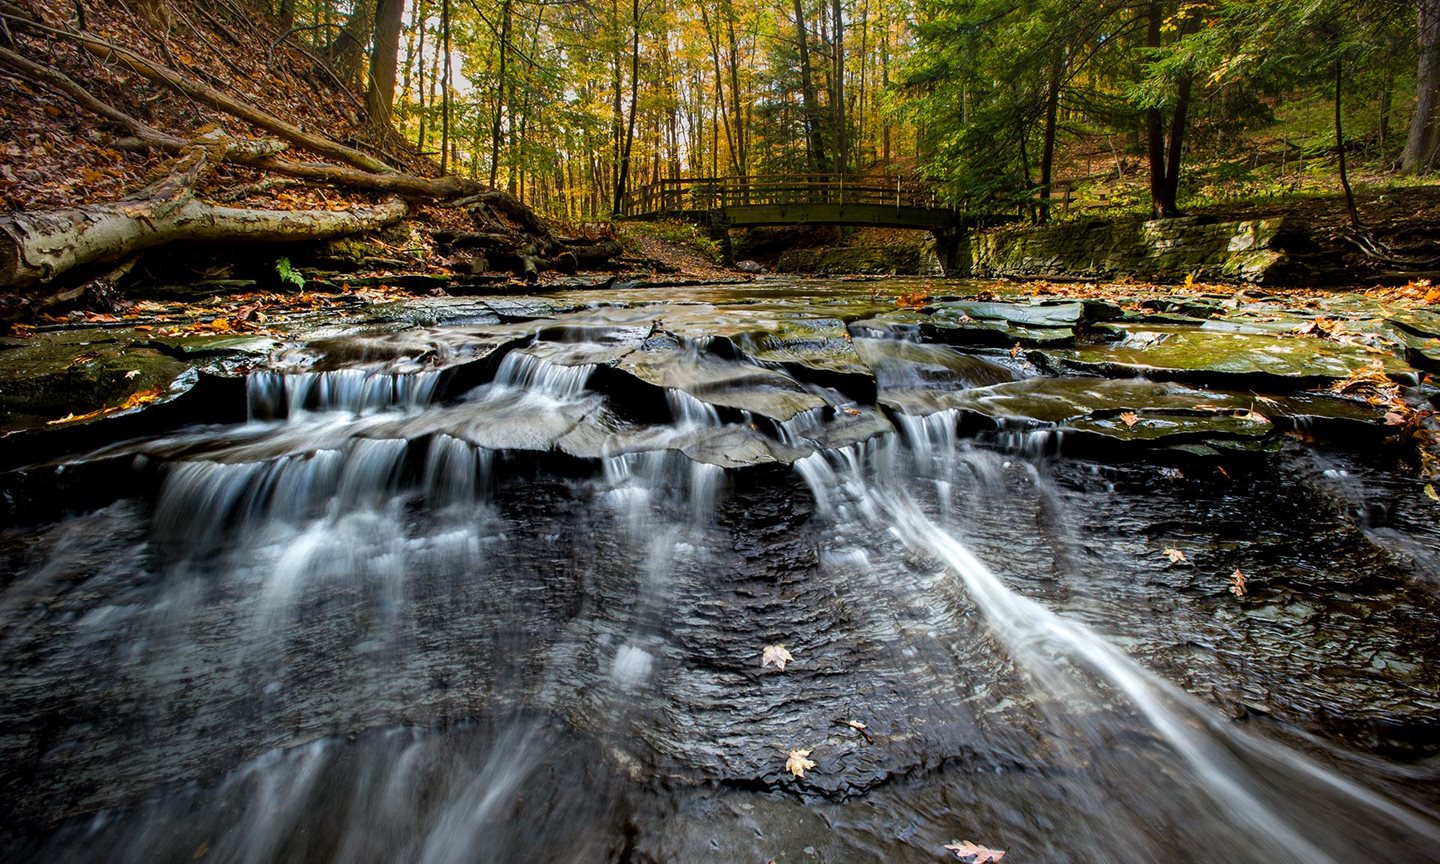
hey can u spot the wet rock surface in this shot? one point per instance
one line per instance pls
(482, 576)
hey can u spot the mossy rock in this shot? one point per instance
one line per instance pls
(48, 376)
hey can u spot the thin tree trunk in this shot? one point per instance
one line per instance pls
(838, 83)
(815, 142)
(742, 160)
(624, 176)
(1047, 152)
(1340, 152)
(445, 86)
(1424, 139)
(1171, 202)
(505, 13)
(1154, 127)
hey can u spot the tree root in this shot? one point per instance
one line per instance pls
(1376, 250)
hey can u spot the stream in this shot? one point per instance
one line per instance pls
(483, 583)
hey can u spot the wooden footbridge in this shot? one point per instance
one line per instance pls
(792, 199)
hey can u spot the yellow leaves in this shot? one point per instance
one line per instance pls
(221, 325)
(141, 397)
(1237, 583)
(974, 853)
(1430, 492)
(912, 300)
(134, 400)
(797, 763)
(1175, 555)
(776, 655)
(1129, 418)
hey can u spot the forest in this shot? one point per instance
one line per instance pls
(569, 105)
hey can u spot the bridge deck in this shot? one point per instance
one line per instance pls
(816, 199)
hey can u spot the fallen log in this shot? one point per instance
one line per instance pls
(37, 247)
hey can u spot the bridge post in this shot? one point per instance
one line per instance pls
(717, 228)
(952, 247)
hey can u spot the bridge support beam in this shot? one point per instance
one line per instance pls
(952, 247)
(718, 230)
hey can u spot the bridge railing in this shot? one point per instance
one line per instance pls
(699, 194)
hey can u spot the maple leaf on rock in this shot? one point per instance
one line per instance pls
(1129, 418)
(797, 764)
(1237, 586)
(777, 655)
(974, 853)
(1175, 555)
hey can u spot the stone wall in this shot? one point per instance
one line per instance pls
(1262, 251)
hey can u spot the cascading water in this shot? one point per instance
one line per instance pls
(386, 620)
(1194, 782)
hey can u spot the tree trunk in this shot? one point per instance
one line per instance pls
(1170, 203)
(389, 16)
(624, 171)
(505, 16)
(1154, 127)
(445, 86)
(38, 247)
(1047, 152)
(814, 140)
(1340, 151)
(838, 85)
(1424, 139)
(742, 160)
(347, 49)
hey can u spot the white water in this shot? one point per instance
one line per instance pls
(1213, 787)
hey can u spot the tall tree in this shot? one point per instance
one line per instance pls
(384, 55)
(1423, 143)
(815, 141)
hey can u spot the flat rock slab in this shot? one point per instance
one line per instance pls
(1225, 359)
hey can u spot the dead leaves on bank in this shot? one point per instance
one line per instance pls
(1237, 583)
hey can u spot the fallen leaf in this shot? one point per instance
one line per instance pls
(1238, 587)
(777, 655)
(1175, 555)
(220, 325)
(1129, 418)
(975, 853)
(1015, 352)
(133, 373)
(797, 764)
(1430, 492)
(856, 725)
